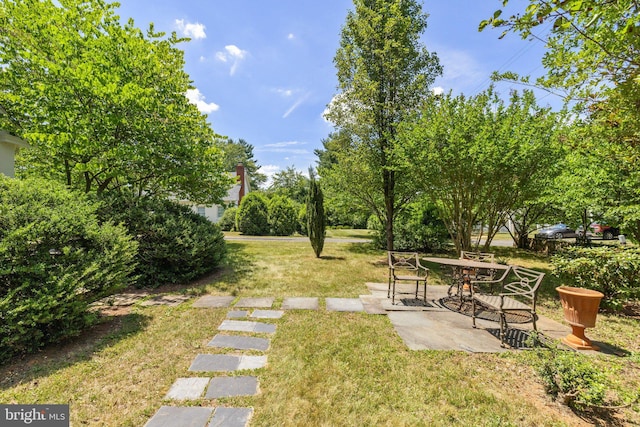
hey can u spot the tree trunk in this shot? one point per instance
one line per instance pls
(388, 179)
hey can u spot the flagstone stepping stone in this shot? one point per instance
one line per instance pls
(170, 300)
(255, 302)
(232, 387)
(176, 416)
(239, 342)
(213, 301)
(267, 314)
(187, 388)
(246, 326)
(226, 363)
(300, 303)
(234, 314)
(372, 304)
(344, 304)
(231, 417)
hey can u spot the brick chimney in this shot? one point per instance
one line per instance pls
(241, 177)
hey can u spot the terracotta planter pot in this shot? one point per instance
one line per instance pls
(580, 308)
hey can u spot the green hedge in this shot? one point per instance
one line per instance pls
(283, 216)
(176, 245)
(614, 271)
(228, 220)
(253, 215)
(55, 260)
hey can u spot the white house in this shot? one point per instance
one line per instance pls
(9, 144)
(234, 197)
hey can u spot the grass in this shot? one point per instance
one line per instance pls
(324, 368)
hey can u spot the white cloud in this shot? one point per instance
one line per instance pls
(232, 54)
(438, 90)
(461, 71)
(195, 97)
(285, 144)
(291, 36)
(195, 31)
(269, 171)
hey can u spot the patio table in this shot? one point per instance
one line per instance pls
(465, 268)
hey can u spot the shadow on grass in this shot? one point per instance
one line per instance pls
(81, 348)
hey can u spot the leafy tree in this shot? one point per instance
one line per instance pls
(103, 105)
(591, 43)
(290, 183)
(252, 217)
(384, 73)
(283, 216)
(593, 54)
(241, 151)
(477, 158)
(315, 215)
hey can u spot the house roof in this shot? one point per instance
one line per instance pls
(13, 140)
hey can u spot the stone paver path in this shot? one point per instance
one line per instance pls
(212, 301)
(247, 326)
(226, 363)
(187, 388)
(300, 303)
(239, 342)
(232, 386)
(344, 304)
(255, 302)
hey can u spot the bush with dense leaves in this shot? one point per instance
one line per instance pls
(253, 217)
(283, 216)
(418, 229)
(614, 271)
(176, 245)
(228, 220)
(55, 260)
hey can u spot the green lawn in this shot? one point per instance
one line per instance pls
(324, 368)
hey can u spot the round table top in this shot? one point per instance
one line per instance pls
(457, 262)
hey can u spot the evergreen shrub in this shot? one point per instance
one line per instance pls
(253, 217)
(283, 216)
(228, 220)
(55, 260)
(176, 245)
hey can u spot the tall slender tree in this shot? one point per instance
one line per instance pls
(315, 215)
(384, 73)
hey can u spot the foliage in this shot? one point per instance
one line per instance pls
(418, 229)
(103, 105)
(241, 151)
(55, 260)
(283, 216)
(591, 43)
(302, 220)
(614, 271)
(176, 245)
(592, 54)
(228, 220)
(252, 217)
(384, 73)
(572, 378)
(290, 183)
(478, 158)
(316, 221)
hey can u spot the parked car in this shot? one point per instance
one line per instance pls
(557, 231)
(607, 232)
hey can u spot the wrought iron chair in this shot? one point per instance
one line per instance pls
(485, 274)
(525, 288)
(406, 267)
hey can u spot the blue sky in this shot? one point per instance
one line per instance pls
(263, 69)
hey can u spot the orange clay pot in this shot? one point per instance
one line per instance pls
(580, 308)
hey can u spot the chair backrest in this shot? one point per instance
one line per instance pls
(478, 256)
(528, 284)
(403, 260)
